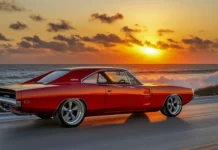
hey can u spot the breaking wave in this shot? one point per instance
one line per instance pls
(194, 82)
(177, 71)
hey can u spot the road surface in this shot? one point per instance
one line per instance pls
(195, 128)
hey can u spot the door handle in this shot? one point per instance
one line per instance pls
(109, 91)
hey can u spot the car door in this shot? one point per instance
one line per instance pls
(93, 93)
(117, 99)
(139, 92)
(121, 95)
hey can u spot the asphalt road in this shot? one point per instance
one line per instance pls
(195, 128)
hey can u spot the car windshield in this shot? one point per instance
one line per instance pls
(52, 76)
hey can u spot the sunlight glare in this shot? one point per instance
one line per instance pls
(150, 51)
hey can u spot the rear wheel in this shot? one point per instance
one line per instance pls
(71, 113)
(44, 116)
(172, 106)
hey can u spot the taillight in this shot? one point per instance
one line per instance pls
(147, 91)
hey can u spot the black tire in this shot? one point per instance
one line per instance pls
(168, 107)
(61, 113)
(44, 116)
(163, 111)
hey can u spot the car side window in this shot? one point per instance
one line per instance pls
(117, 77)
(132, 79)
(92, 79)
(101, 79)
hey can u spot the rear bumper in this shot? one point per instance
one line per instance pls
(7, 105)
(9, 101)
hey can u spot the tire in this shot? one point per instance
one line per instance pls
(71, 113)
(172, 106)
(44, 116)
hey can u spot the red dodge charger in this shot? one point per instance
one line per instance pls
(69, 95)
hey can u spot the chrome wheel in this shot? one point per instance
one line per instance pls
(174, 104)
(73, 111)
(70, 113)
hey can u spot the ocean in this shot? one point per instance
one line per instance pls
(193, 76)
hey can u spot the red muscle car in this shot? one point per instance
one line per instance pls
(69, 95)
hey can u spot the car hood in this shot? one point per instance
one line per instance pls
(19, 87)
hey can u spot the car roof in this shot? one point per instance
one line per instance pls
(95, 68)
(80, 73)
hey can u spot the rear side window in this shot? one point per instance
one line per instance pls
(101, 79)
(95, 78)
(53, 76)
(92, 79)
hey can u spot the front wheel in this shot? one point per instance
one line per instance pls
(172, 106)
(71, 113)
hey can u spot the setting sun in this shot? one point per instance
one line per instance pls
(150, 51)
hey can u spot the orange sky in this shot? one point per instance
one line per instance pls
(102, 31)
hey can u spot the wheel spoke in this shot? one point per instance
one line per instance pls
(170, 108)
(72, 116)
(70, 104)
(175, 101)
(169, 105)
(66, 116)
(64, 108)
(72, 111)
(174, 107)
(75, 108)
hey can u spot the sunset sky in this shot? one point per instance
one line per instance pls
(108, 31)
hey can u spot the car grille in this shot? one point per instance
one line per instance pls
(7, 93)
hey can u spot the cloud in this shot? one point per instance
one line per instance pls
(66, 44)
(3, 38)
(6, 45)
(62, 26)
(161, 32)
(110, 40)
(134, 40)
(38, 43)
(104, 18)
(10, 6)
(75, 43)
(18, 26)
(149, 44)
(198, 43)
(163, 45)
(25, 44)
(129, 30)
(37, 18)
(172, 41)
(70, 40)
(106, 40)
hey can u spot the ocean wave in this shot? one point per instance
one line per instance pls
(195, 83)
(20, 76)
(176, 71)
